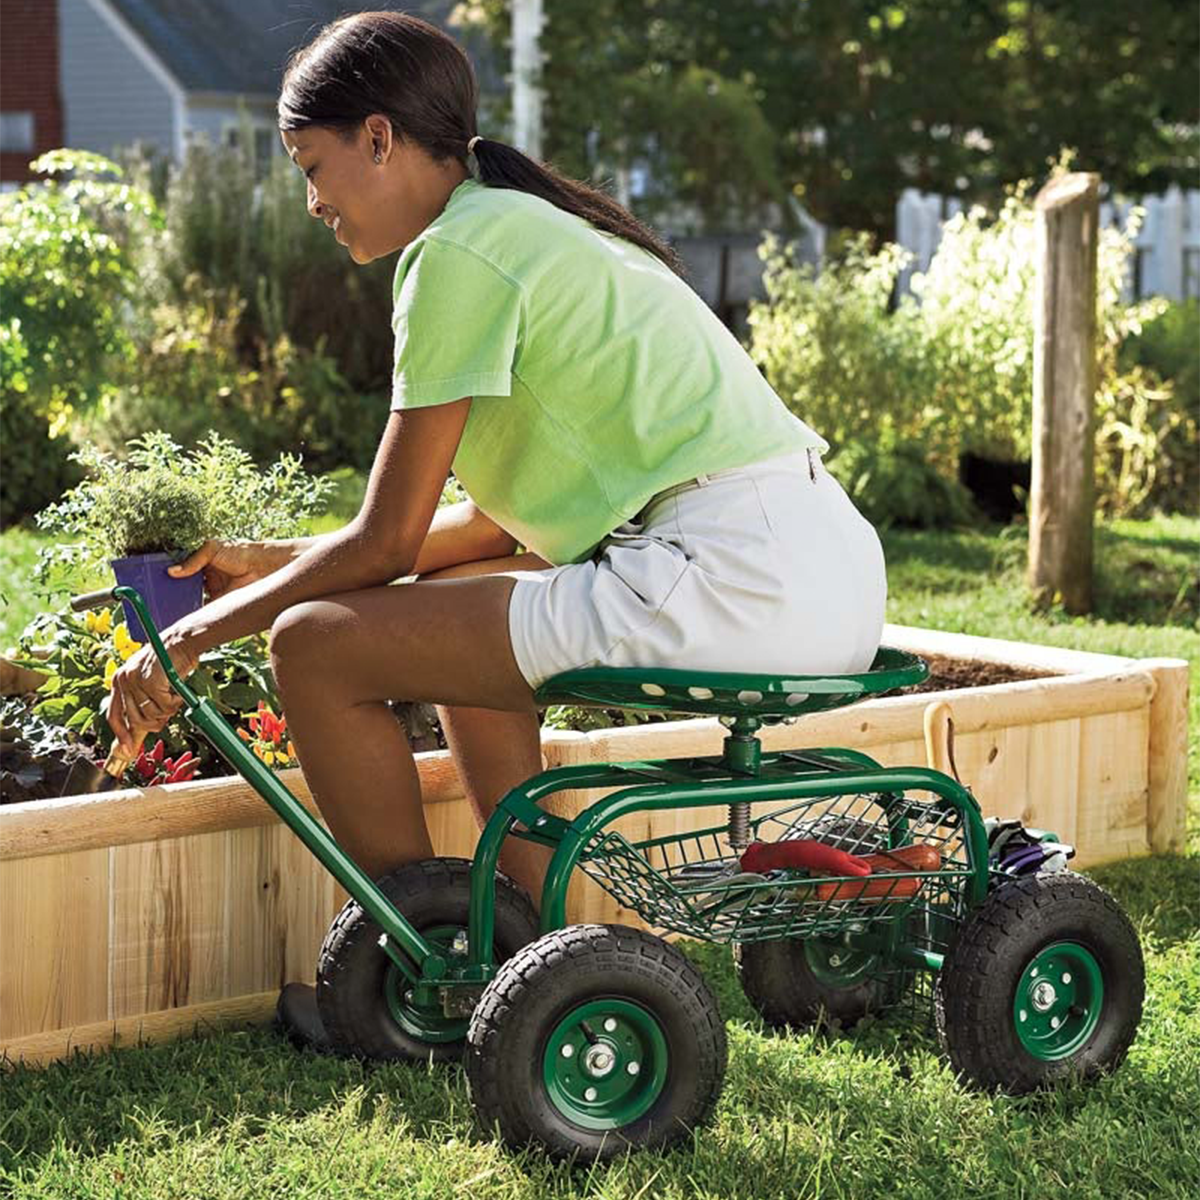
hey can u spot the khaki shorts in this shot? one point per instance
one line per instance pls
(762, 569)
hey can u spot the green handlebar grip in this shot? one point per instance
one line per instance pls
(92, 599)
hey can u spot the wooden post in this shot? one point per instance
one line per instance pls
(1062, 500)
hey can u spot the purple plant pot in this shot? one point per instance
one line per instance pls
(167, 599)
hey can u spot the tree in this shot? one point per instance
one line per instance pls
(866, 98)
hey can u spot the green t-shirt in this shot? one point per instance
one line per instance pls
(599, 376)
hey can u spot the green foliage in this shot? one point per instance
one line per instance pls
(67, 271)
(36, 466)
(68, 247)
(709, 152)
(149, 512)
(238, 499)
(866, 99)
(950, 370)
(252, 239)
(896, 483)
(1166, 344)
(195, 372)
(80, 652)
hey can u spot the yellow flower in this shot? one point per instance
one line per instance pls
(126, 646)
(104, 622)
(110, 669)
(269, 757)
(89, 622)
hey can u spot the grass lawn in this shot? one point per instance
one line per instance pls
(242, 1115)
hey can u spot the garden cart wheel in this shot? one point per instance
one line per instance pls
(802, 983)
(799, 983)
(1045, 980)
(594, 1040)
(363, 997)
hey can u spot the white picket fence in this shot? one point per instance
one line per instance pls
(1167, 259)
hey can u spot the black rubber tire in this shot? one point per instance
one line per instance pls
(976, 987)
(781, 987)
(776, 977)
(352, 967)
(522, 1006)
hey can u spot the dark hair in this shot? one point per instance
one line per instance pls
(423, 82)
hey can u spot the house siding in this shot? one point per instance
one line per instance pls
(29, 79)
(111, 98)
(210, 118)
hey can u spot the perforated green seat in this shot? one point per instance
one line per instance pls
(728, 694)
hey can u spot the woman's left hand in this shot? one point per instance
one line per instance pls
(142, 699)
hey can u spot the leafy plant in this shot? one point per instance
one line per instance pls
(150, 511)
(238, 500)
(81, 652)
(68, 280)
(950, 369)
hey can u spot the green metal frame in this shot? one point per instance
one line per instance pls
(742, 774)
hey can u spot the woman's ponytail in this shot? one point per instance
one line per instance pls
(503, 166)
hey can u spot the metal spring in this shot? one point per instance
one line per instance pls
(739, 824)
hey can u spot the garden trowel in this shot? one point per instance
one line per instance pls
(86, 776)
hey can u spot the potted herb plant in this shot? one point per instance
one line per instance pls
(151, 518)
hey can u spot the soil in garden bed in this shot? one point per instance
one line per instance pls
(34, 764)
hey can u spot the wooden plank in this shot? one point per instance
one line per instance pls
(1054, 660)
(169, 924)
(55, 942)
(41, 1048)
(39, 827)
(1113, 787)
(281, 903)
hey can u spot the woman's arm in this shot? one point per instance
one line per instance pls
(382, 543)
(458, 533)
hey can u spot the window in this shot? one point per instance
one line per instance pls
(16, 132)
(264, 140)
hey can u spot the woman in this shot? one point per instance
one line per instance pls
(674, 513)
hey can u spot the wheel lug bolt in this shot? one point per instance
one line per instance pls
(1054, 1022)
(633, 1068)
(609, 1024)
(568, 1050)
(1066, 977)
(590, 1094)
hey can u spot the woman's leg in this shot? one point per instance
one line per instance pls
(494, 751)
(338, 660)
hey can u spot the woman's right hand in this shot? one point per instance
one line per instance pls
(228, 566)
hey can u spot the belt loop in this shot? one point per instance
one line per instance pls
(702, 480)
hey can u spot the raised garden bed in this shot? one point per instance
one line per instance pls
(144, 913)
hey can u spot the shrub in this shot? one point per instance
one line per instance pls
(1166, 344)
(194, 373)
(951, 369)
(238, 500)
(254, 239)
(68, 280)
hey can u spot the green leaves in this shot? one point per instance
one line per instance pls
(162, 498)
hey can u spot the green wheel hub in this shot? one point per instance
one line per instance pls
(605, 1063)
(837, 966)
(419, 1021)
(1058, 1001)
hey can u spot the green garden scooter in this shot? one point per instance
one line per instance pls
(840, 884)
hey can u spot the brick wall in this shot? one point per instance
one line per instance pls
(29, 77)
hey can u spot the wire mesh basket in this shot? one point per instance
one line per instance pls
(692, 883)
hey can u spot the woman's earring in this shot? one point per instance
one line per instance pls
(378, 159)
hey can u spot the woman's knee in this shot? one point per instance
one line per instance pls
(304, 632)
